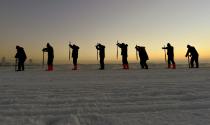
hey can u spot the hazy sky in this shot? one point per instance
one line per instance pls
(151, 23)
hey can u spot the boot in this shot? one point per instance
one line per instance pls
(102, 68)
(50, 68)
(126, 66)
(197, 65)
(146, 66)
(174, 66)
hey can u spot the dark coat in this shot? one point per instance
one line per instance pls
(124, 49)
(142, 53)
(50, 51)
(192, 51)
(21, 55)
(75, 50)
(170, 51)
(101, 49)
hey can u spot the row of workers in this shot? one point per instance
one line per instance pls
(191, 52)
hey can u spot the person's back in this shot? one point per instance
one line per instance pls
(23, 54)
(75, 51)
(143, 54)
(20, 53)
(170, 51)
(124, 48)
(102, 51)
(50, 52)
(193, 51)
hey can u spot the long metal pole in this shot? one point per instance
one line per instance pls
(165, 55)
(137, 54)
(117, 50)
(69, 51)
(15, 64)
(188, 61)
(43, 59)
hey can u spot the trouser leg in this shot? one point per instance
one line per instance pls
(142, 64)
(75, 63)
(145, 64)
(102, 63)
(169, 63)
(125, 62)
(192, 62)
(23, 67)
(196, 62)
(50, 64)
(174, 64)
(19, 66)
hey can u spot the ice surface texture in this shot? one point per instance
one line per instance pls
(111, 97)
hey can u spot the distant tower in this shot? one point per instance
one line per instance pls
(3, 60)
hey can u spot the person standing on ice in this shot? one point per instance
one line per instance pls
(50, 51)
(143, 56)
(101, 49)
(21, 58)
(192, 52)
(170, 53)
(75, 50)
(124, 53)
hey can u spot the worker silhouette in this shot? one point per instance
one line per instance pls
(101, 49)
(124, 53)
(192, 52)
(75, 50)
(21, 58)
(143, 56)
(50, 51)
(170, 53)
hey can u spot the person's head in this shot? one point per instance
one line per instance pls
(168, 44)
(188, 46)
(48, 45)
(17, 47)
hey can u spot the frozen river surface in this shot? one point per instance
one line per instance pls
(110, 97)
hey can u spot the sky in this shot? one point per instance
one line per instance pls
(150, 23)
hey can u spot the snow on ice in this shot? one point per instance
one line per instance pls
(157, 96)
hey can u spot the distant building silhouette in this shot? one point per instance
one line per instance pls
(3, 60)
